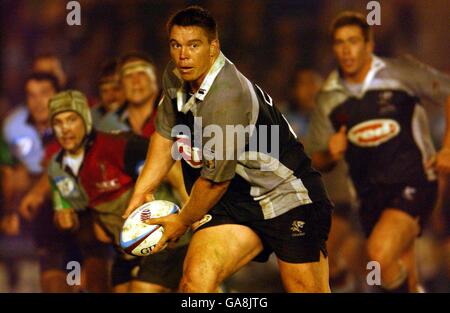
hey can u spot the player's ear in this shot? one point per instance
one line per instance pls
(370, 46)
(214, 47)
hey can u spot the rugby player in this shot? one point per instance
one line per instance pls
(110, 91)
(29, 136)
(95, 172)
(243, 209)
(370, 113)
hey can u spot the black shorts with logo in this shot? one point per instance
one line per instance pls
(417, 201)
(297, 236)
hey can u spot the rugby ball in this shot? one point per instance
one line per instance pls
(138, 238)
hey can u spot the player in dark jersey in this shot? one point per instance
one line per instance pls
(253, 202)
(370, 113)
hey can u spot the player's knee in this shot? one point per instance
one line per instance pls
(200, 279)
(54, 281)
(376, 251)
(301, 284)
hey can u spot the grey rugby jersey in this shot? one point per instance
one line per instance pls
(267, 179)
(387, 125)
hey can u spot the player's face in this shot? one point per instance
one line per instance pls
(38, 94)
(352, 51)
(69, 129)
(139, 86)
(192, 53)
(111, 94)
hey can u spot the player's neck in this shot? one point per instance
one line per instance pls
(360, 75)
(41, 127)
(76, 152)
(138, 114)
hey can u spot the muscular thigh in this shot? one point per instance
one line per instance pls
(221, 250)
(305, 277)
(394, 232)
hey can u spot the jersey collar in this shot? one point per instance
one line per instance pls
(204, 87)
(334, 82)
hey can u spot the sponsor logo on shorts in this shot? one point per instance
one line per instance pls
(297, 228)
(203, 221)
(374, 132)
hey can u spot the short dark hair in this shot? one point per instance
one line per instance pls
(43, 76)
(46, 55)
(348, 18)
(136, 56)
(108, 70)
(194, 16)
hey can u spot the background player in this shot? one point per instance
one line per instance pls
(102, 186)
(369, 113)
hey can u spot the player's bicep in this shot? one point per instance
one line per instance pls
(165, 118)
(426, 82)
(319, 132)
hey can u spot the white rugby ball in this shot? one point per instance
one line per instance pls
(138, 238)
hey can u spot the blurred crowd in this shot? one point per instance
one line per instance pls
(281, 45)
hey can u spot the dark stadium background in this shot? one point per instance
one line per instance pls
(266, 39)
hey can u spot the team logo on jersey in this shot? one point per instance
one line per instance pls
(65, 185)
(108, 185)
(385, 102)
(23, 145)
(374, 132)
(192, 156)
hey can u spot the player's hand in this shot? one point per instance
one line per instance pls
(174, 228)
(136, 201)
(67, 219)
(443, 161)
(10, 224)
(338, 144)
(30, 205)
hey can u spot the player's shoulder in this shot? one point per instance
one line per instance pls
(15, 122)
(403, 66)
(17, 116)
(331, 93)
(170, 80)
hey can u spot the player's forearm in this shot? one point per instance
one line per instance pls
(323, 161)
(42, 186)
(204, 195)
(175, 179)
(446, 142)
(157, 164)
